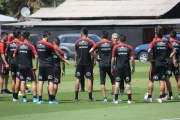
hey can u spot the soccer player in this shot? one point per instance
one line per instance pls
(25, 51)
(159, 62)
(13, 65)
(46, 69)
(4, 73)
(122, 53)
(11, 37)
(171, 68)
(105, 53)
(57, 66)
(83, 62)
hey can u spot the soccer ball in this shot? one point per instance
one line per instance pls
(146, 96)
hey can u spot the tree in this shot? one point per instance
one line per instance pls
(3, 7)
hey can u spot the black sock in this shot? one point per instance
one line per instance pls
(161, 96)
(129, 96)
(51, 97)
(14, 95)
(24, 96)
(164, 95)
(76, 94)
(105, 98)
(116, 96)
(40, 98)
(170, 94)
(35, 96)
(90, 95)
(26, 88)
(2, 90)
(149, 96)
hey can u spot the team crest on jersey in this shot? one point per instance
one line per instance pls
(161, 43)
(105, 45)
(23, 47)
(163, 76)
(55, 80)
(122, 48)
(13, 45)
(175, 44)
(88, 74)
(118, 78)
(127, 78)
(83, 42)
(21, 77)
(40, 77)
(40, 45)
(50, 77)
(155, 77)
(168, 72)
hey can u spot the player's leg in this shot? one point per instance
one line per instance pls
(168, 86)
(57, 81)
(6, 83)
(78, 79)
(122, 88)
(1, 84)
(102, 82)
(55, 91)
(32, 77)
(82, 84)
(178, 83)
(23, 90)
(41, 78)
(40, 89)
(17, 86)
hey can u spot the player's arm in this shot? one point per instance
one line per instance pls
(112, 65)
(36, 62)
(63, 68)
(61, 58)
(3, 56)
(75, 58)
(172, 55)
(15, 58)
(149, 55)
(133, 64)
(7, 51)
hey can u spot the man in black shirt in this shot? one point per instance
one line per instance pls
(122, 53)
(159, 63)
(4, 66)
(46, 66)
(25, 51)
(171, 68)
(105, 54)
(83, 62)
(14, 66)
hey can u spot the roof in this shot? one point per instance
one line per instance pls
(107, 8)
(7, 19)
(98, 22)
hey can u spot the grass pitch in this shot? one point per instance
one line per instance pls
(67, 109)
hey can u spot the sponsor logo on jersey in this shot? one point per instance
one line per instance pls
(88, 74)
(78, 74)
(175, 44)
(50, 77)
(40, 77)
(122, 48)
(13, 44)
(127, 78)
(118, 79)
(23, 47)
(40, 45)
(83, 42)
(161, 43)
(155, 77)
(105, 45)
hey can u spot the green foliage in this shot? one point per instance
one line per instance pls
(4, 8)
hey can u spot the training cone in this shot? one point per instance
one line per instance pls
(136, 80)
(95, 73)
(28, 85)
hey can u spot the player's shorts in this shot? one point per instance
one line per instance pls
(171, 68)
(120, 76)
(103, 71)
(15, 70)
(57, 79)
(27, 74)
(157, 71)
(3, 69)
(46, 73)
(82, 70)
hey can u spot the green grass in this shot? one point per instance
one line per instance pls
(67, 109)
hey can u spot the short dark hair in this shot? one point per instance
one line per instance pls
(16, 33)
(159, 33)
(3, 34)
(173, 34)
(105, 34)
(122, 38)
(14, 29)
(84, 30)
(46, 34)
(56, 41)
(26, 34)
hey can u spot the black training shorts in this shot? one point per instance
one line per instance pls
(27, 74)
(171, 68)
(82, 70)
(57, 79)
(46, 73)
(3, 69)
(15, 70)
(120, 76)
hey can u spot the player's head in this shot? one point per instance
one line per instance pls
(122, 39)
(4, 36)
(17, 34)
(105, 35)
(115, 38)
(56, 41)
(84, 31)
(158, 33)
(158, 28)
(173, 34)
(46, 34)
(26, 35)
